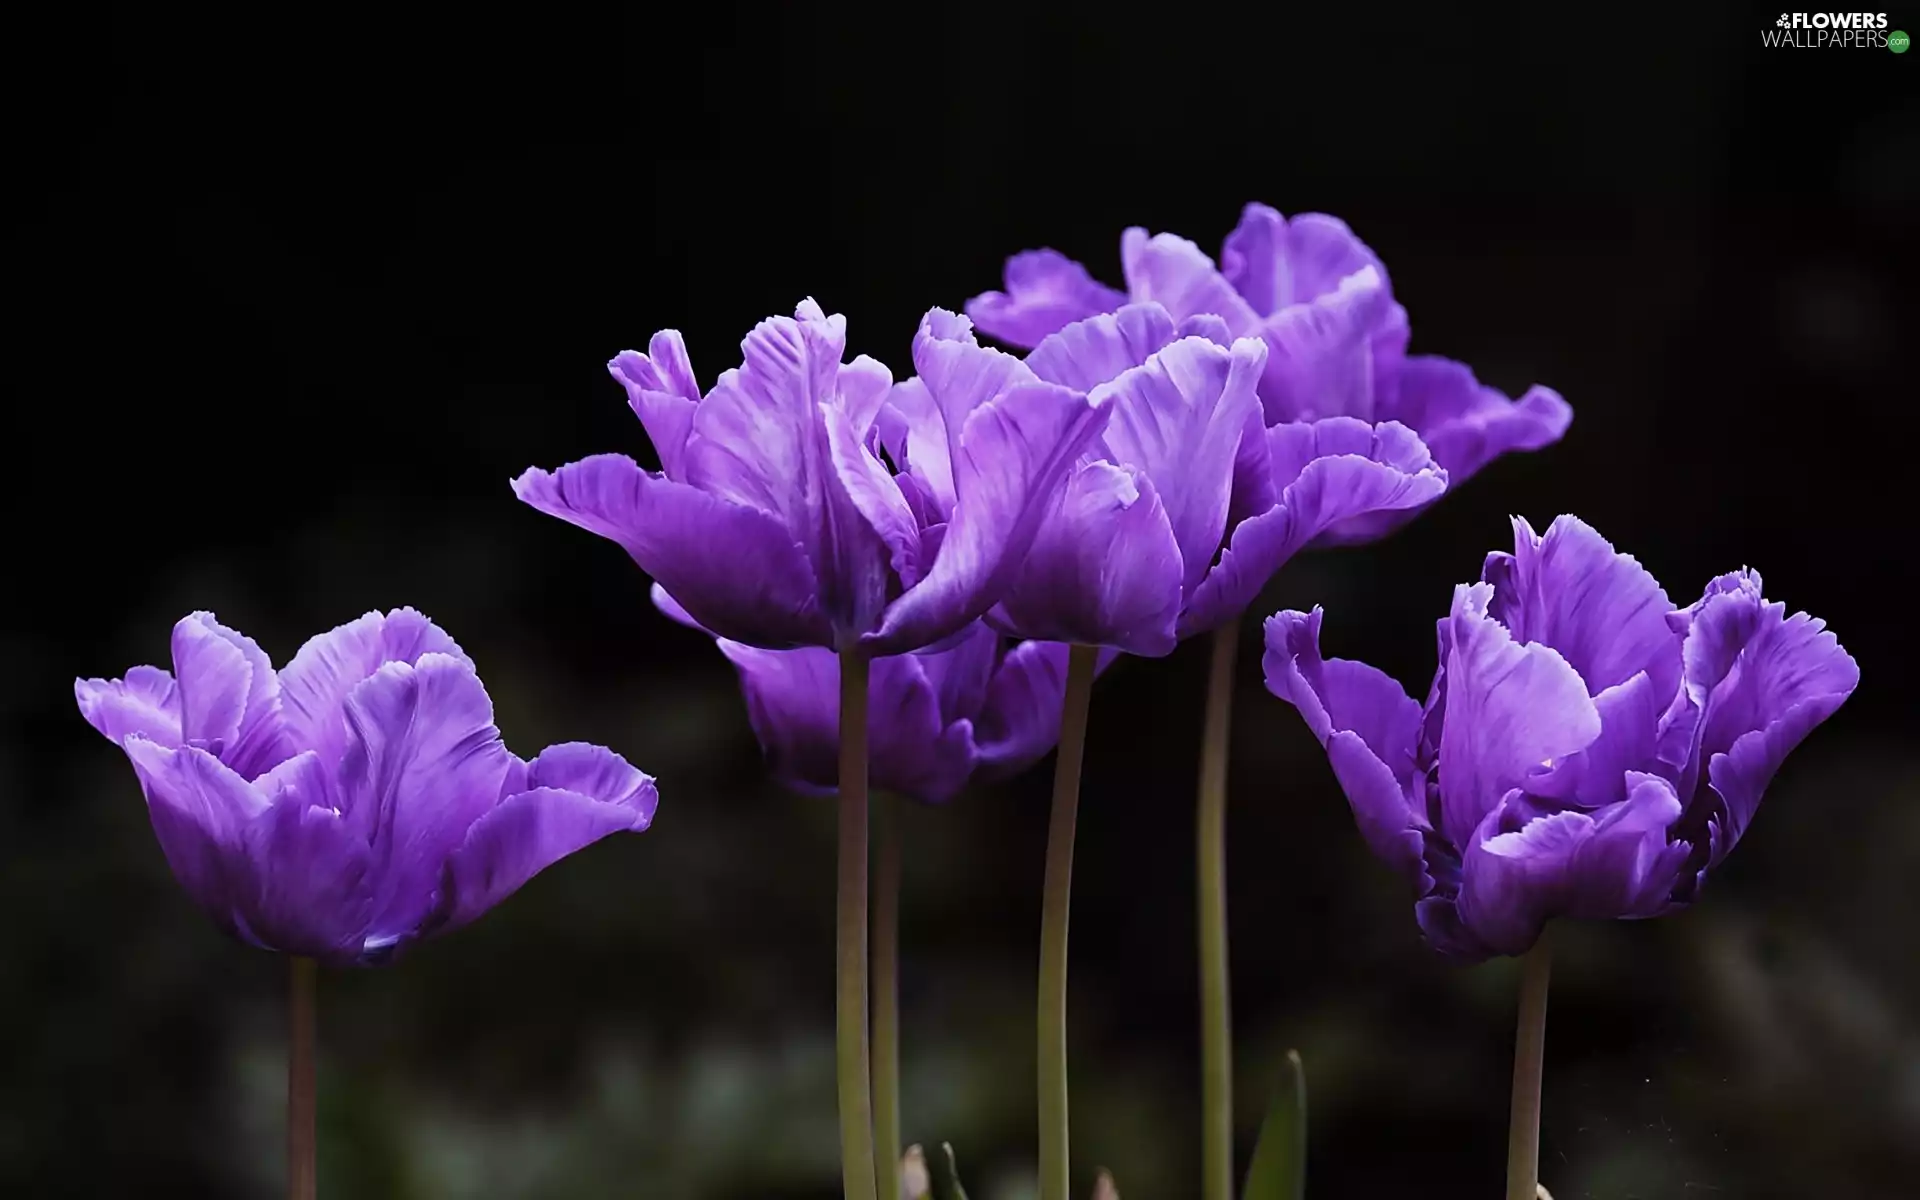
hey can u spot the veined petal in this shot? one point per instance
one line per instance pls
(1465, 423)
(1369, 726)
(661, 391)
(762, 591)
(314, 686)
(598, 774)
(1324, 473)
(144, 703)
(1509, 708)
(1014, 455)
(1104, 571)
(1629, 742)
(423, 763)
(525, 835)
(1178, 275)
(1179, 418)
(1273, 262)
(1617, 862)
(1570, 589)
(229, 697)
(1099, 350)
(914, 434)
(876, 496)
(1323, 360)
(1046, 291)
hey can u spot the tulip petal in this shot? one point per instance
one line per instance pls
(145, 703)
(762, 590)
(200, 809)
(1465, 423)
(661, 392)
(525, 835)
(315, 685)
(1046, 291)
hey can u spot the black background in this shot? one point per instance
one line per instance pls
(295, 297)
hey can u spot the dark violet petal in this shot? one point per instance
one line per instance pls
(1176, 274)
(1369, 726)
(1021, 720)
(1602, 610)
(1179, 419)
(1011, 465)
(1046, 291)
(525, 835)
(314, 686)
(1616, 862)
(1510, 707)
(1104, 571)
(144, 703)
(961, 670)
(596, 773)
(1100, 349)
(313, 892)
(1789, 675)
(200, 809)
(762, 590)
(423, 763)
(661, 391)
(793, 704)
(1465, 423)
(1323, 473)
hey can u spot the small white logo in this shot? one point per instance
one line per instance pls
(1813, 31)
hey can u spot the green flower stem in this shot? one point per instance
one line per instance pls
(302, 1175)
(1529, 1052)
(886, 997)
(1216, 1028)
(850, 1001)
(1053, 923)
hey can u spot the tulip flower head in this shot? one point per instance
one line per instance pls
(1585, 750)
(356, 800)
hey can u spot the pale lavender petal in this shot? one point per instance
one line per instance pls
(1570, 589)
(1273, 262)
(314, 686)
(1509, 708)
(525, 835)
(1465, 423)
(863, 385)
(914, 434)
(1179, 419)
(1629, 742)
(423, 763)
(144, 703)
(1100, 349)
(661, 391)
(875, 495)
(1177, 275)
(1104, 571)
(671, 609)
(1046, 291)
(761, 591)
(1369, 726)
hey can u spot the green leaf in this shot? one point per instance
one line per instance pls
(946, 1176)
(1279, 1170)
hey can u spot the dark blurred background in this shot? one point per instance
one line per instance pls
(295, 297)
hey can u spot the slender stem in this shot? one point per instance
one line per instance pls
(850, 1001)
(1529, 1051)
(886, 997)
(1216, 1036)
(302, 1175)
(1053, 924)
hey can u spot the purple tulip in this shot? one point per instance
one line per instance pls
(359, 799)
(775, 520)
(1176, 519)
(1336, 338)
(979, 708)
(1585, 750)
